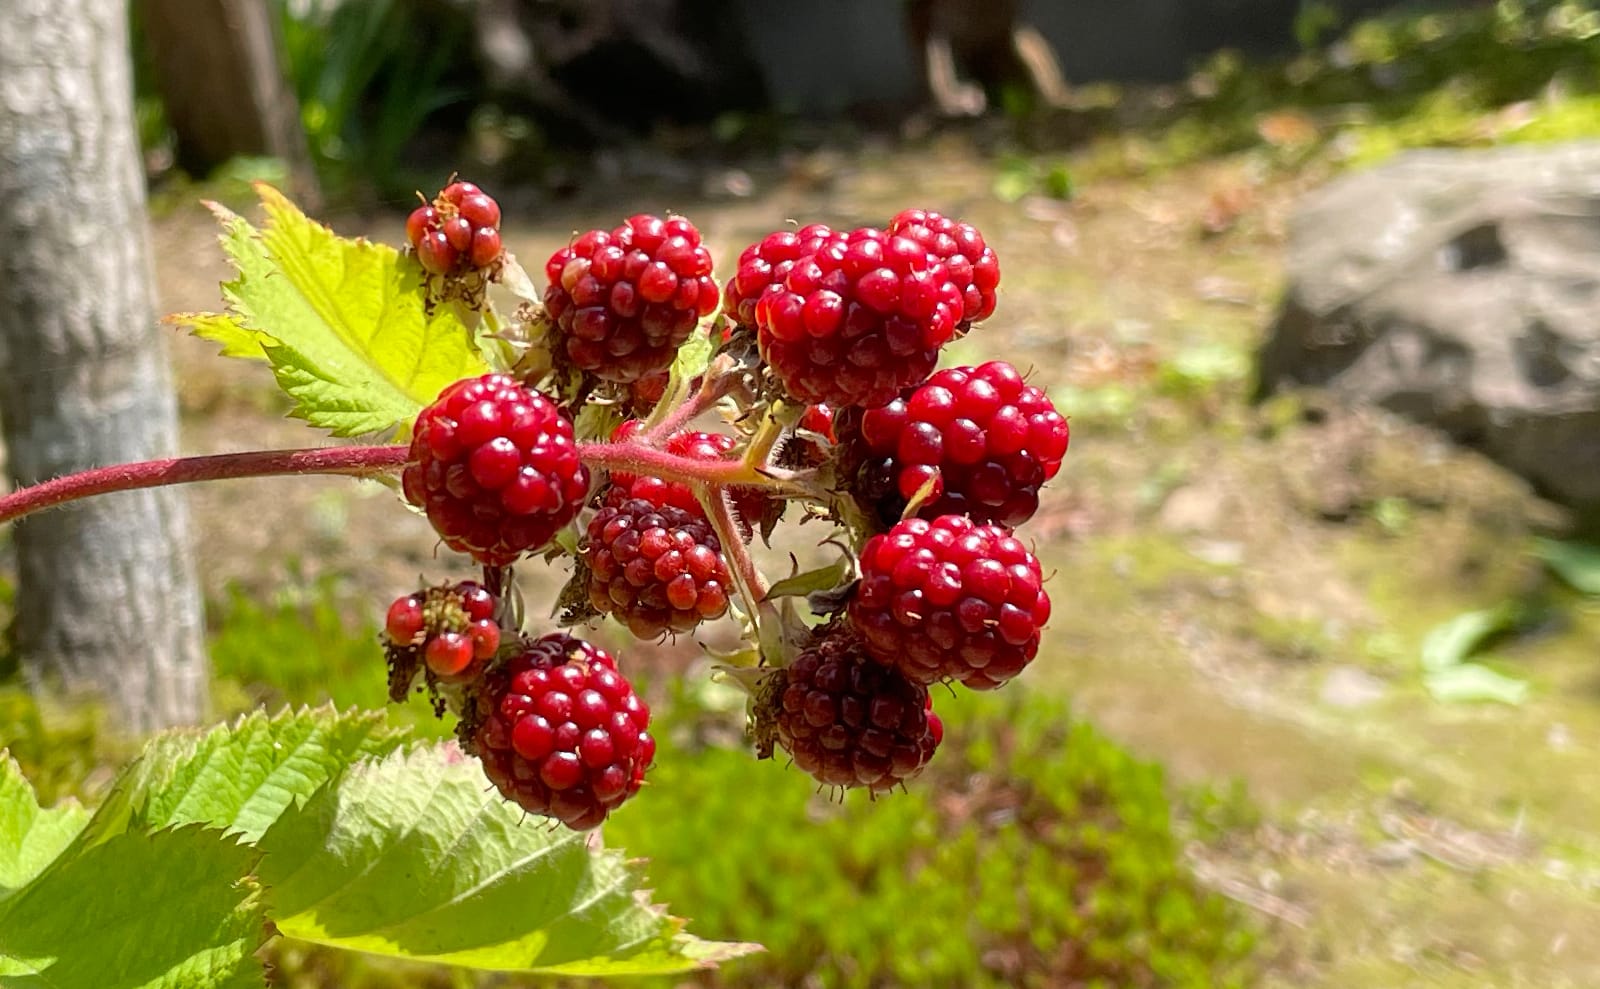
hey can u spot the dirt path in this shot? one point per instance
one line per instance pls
(1240, 593)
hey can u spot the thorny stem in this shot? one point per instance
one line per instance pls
(636, 458)
(355, 461)
(712, 390)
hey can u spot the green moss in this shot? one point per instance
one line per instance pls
(1034, 852)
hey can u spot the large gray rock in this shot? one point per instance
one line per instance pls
(1460, 289)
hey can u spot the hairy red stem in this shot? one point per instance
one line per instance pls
(635, 458)
(356, 461)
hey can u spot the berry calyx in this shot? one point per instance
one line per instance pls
(623, 301)
(845, 719)
(972, 265)
(655, 567)
(950, 600)
(858, 320)
(560, 732)
(813, 438)
(496, 468)
(984, 438)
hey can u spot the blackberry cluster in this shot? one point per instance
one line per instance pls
(984, 439)
(950, 600)
(623, 301)
(655, 567)
(450, 630)
(848, 325)
(457, 233)
(845, 719)
(559, 731)
(496, 468)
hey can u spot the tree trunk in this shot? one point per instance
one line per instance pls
(219, 67)
(106, 592)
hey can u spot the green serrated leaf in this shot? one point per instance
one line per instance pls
(1576, 563)
(240, 777)
(412, 856)
(1451, 642)
(820, 579)
(340, 321)
(30, 836)
(1475, 682)
(168, 910)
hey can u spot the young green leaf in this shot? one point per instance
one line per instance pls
(340, 321)
(693, 358)
(30, 836)
(160, 911)
(240, 777)
(1451, 642)
(1475, 682)
(409, 856)
(820, 579)
(1576, 563)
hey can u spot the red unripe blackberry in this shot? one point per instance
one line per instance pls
(624, 300)
(987, 439)
(858, 320)
(450, 628)
(496, 468)
(845, 719)
(972, 264)
(560, 732)
(656, 568)
(458, 233)
(950, 600)
(766, 263)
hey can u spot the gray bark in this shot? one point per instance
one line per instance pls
(106, 592)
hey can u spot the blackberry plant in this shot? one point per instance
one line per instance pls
(504, 427)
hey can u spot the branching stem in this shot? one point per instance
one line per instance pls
(356, 461)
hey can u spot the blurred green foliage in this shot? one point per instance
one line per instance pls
(1034, 852)
(1462, 75)
(368, 77)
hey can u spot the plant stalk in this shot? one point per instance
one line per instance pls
(355, 461)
